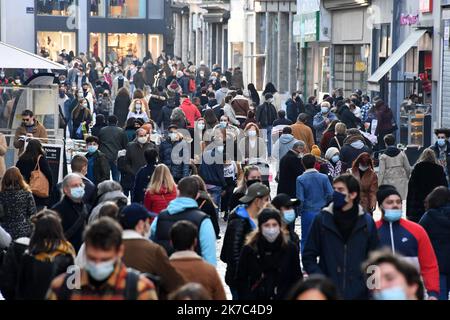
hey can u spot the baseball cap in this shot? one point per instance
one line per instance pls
(283, 200)
(132, 214)
(256, 190)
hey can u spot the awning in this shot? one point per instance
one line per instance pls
(396, 56)
(15, 58)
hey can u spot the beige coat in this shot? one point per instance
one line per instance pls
(395, 171)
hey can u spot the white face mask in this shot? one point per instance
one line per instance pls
(252, 133)
(363, 168)
(143, 140)
(271, 234)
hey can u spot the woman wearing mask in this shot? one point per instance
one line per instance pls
(269, 263)
(199, 144)
(252, 146)
(30, 160)
(161, 190)
(81, 118)
(286, 206)
(363, 171)
(399, 279)
(251, 175)
(48, 255)
(436, 222)
(425, 177)
(17, 204)
(138, 111)
(334, 167)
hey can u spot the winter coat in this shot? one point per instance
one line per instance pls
(291, 167)
(425, 177)
(141, 182)
(385, 119)
(347, 117)
(157, 202)
(410, 240)
(266, 114)
(351, 150)
(17, 206)
(337, 141)
(293, 109)
(78, 117)
(156, 103)
(221, 94)
(178, 170)
(237, 80)
(191, 112)
(239, 226)
(395, 170)
(9, 269)
(39, 131)
(302, 132)
(320, 125)
(212, 173)
(166, 114)
(121, 109)
(134, 160)
(240, 106)
(95, 130)
(179, 119)
(101, 168)
(326, 140)
(369, 187)
(112, 140)
(340, 261)
(314, 190)
(208, 207)
(282, 146)
(445, 159)
(311, 110)
(266, 271)
(436, 223)
(119, 84)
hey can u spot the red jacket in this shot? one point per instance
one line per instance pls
(157, 202)
(191, 112)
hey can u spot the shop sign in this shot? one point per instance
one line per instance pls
(310, 24)
(360, 66)
(408, 19)
(426, 6)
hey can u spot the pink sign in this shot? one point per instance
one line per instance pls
(408, 19)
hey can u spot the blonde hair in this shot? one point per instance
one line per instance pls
(428, 155)
(161, 178)
(133, 105)
(340, 128)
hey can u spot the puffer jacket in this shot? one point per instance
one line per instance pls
(157, 202)
(181, 169)
(239, 226)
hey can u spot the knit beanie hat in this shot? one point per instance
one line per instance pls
(385, 191)
(315, 151)
(268, 214)
(331, 152)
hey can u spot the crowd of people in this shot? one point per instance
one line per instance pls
(190, 146)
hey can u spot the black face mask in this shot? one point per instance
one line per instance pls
(252, 182)
(297, 99)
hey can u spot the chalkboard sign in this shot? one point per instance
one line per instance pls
(54, 155)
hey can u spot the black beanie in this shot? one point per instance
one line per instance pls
(385, 191)
(268, 214)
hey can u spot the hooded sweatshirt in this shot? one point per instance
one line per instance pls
(207, 235)
(282, 146)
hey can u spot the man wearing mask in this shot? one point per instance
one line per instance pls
(80, 78)
(98, 167)
(30, 128)
(175, 144)
(135, 159)
(105, 276)
(294, 106)
(242, 221)
(72, 209)
(342, 236)
(442, 149)
(266, 114)
(291, 167)
(407, 238)
(322, 120)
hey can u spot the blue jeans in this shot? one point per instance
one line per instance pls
(444, 284)
(114, 170)
(216, 195)
(307, 218)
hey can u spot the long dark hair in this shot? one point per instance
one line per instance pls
(33, 151)
(47, 232)
(253, 93)
(210, 117)
(270, 88)
(439, 197)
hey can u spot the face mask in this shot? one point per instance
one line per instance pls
(441, 142)
(324, 110)
(173, 136)
(271, 234)
(17, 81)
(251, 182)
(252, 133)
(223, 124)
(289, 216)
(220, 149)
(100, 271)
(335, 158)
(77, 193)
(339, 200)
(138, 107)
(363, 168)
(2, 75)
(201, 126)
(62, 93)
(396, 293)
(92, 149)
(297, 99)
(142, 140)
(84, 105)
(392, 215)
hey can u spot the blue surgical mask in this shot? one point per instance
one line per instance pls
(441, 142)
(77, 193)
(396, 293)
(223, 124)
(324, 110)
(339, 200)
(335, 158)
(92, 149)
(289, 216)
(100, 271)
(392, 215)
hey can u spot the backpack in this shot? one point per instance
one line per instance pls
(192, 85)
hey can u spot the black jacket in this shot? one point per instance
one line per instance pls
(9, 270)
(266, 114)
(290, 168)
(293, 109)
(112, 140)
(90, 196)
(436, 150)
(339, 260)
(237, 230)
(141, 181)
(346, 116)
(101, 167)
(436, 223)
(311, 110)
(424, 178)
(267, 271)
(166, 113)
(157, 103)
(121, 106)
(74, 217)
(205, 204)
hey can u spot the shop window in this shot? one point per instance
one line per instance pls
(50, 44)
(98, 8)
(97, 45)
(127, 9)
(56, 7)
(350, 67)
(125, 47)
(155, 45)
(238, 55)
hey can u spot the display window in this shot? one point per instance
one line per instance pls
(50, 43)
(56, 7)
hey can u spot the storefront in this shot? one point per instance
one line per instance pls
(125, 9)
(50, 43)
(55, 7)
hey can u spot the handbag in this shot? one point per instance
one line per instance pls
(38, 182)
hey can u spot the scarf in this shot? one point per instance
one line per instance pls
(334, 171)
(64, 248)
